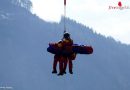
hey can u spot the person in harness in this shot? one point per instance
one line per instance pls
(58, 58)
(67, 43)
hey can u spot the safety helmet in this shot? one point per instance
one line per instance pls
(60, 41)
(66, 35)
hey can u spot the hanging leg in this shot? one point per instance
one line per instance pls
(56, 59)
(65, 60)
(60, 66)
(70, 66)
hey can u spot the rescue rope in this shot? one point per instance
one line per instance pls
(64, 16)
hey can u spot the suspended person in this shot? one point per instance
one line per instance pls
(58, 58)
(67, 53)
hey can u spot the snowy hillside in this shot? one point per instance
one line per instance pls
(26, 65)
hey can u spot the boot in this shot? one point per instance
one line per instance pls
(54, 72)
(64, 72)
(71, 72)
(60, 74)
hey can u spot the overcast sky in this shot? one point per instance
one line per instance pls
(93, 13)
